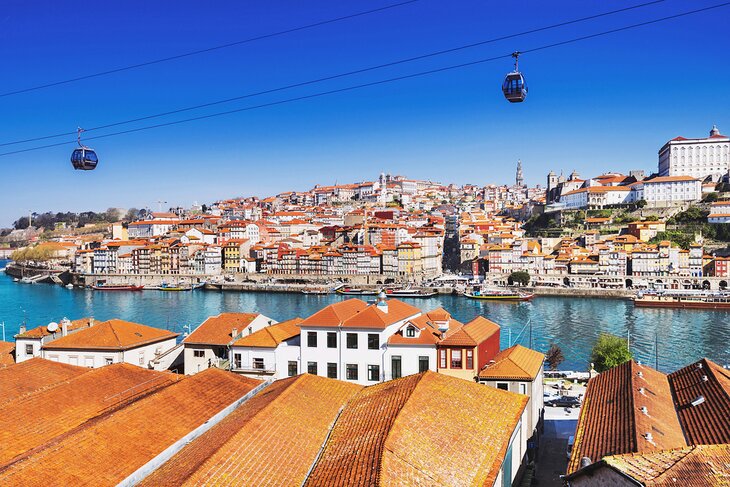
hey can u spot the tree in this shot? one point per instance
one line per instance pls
(519, 277)
(641, 203)
(609, 351)
(131, 214)
(554, 356)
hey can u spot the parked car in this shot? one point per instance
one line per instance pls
(564, 402)
(549, 396)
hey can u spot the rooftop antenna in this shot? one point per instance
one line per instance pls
(159, 205)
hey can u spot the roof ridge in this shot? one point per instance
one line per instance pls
(632, 403)
(114, 332)
(689, 449)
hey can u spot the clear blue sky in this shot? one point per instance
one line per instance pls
(600, 105)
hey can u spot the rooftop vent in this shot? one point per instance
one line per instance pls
(641, 391)
(585, 461)
(645, 410)
(649, 437)
(698, 401)
(699, 365)
(640, 374)
(705, 378)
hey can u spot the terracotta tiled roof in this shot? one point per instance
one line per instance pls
(694, 466)
(355, 313)
(7, 354)
(335, 314)
(111, 335)
(36, 419)
(391, 434)
(265, 441)
(271, 336)
(217, 330)
(471, 334)
(514, 363)
(612, 421)
(708, 422)
(33, 375)
(131, 435)
(42, 331)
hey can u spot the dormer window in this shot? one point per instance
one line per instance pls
(411, 332)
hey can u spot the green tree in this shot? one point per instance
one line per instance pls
(609, 351)
(554, 357)
(641, 203)
(710, 197)
(519, 277)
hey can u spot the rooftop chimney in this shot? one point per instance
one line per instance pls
(382, 303)
(22, 329)
(64, 327)
(91, 322)
(234, 333)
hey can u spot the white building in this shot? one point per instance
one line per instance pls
(208, 345)
(272, 352)
(109, 342)
(697, 158)
(348, 340)
(719, 212)
(666, 190)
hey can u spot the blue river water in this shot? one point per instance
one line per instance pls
(682, 336)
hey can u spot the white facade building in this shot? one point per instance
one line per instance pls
(697, 158)
(272, 352)
(665, 190)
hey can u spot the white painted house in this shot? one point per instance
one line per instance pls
(348, 340)
(271, 352)
(208, 345)
(110, 342)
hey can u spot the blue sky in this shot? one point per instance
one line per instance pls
(604, 104)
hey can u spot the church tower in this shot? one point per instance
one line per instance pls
(519, 178)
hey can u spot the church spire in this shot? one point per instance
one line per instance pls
(519, 178)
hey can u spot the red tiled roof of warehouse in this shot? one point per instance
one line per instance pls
(611, 421)
(217, 330)
(471, 334)
(708, 422)
(36, 419)
(108, 450)
(279, 447)
(7, 354)
(271, 336)
(335, 314)
(33, 375)
(396, 420)
(111, 335)
(42, 331)
(692, 466)
(514, 363)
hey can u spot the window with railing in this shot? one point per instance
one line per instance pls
(258, 363)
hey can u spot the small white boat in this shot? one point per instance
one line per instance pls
(15, 279)
(69, 286)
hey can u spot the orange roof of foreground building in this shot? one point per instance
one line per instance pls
(514, 363)
(393, 433)
(217, 330)
(354, 313)
(627, 409)
(34, 375)
(271, 439)
(111, 335)
(709, 421)
(271, 336)
(472, 334)
(693, 466)
(108, 450)
(36, 419)
(42, 331)
(7, 354)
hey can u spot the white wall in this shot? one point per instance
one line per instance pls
(409, 358)
(140, 356)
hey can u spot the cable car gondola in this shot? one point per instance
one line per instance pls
(83, 158)
(514, 86)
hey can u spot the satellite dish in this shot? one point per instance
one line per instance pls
(52, 327)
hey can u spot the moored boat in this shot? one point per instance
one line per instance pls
(353, 291)
(498, 295)
(114, 287)
(688, 300)
(315, 291)
(410, 293)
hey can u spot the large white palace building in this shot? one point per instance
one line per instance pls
(697, 158)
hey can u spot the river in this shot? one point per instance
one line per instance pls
(683, 336)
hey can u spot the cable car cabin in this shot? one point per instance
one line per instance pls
(514, 87)
(84, 159)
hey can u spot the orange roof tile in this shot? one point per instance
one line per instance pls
(271, 336)
(335, 314)
(391, 433)
(278, 446)
(36, 419)
(132, 435)
(472, 334)
(111, 335)
(42, 331)
(7, 354)
(217, 330)
(514, 363)
(708, 422)
(33, 375)
(612, 421)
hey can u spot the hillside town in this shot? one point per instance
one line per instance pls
(625, 231)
